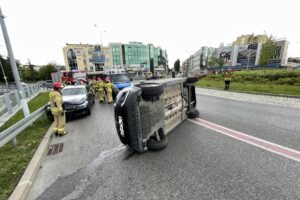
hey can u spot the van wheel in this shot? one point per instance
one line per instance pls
(193, 114)
(154, 145)
(151, 89)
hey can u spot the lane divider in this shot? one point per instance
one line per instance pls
(266, 145)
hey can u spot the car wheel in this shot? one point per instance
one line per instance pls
(88, 111)
(151, 89)
(155, 145)
(193, 114)
(192, 79)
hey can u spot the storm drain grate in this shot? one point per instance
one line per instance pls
(55, 148)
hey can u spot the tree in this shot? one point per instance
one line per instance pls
(7, 70)
(267, 51)
(177, 66)
(221, 62)
(213, 61)
(45, 71)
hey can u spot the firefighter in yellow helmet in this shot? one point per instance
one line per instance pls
(109, 86)
(100, 87)
(57, 110)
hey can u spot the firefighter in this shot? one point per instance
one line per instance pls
(94, 85)
(100, 87)
(57, 110)
(109, 86)
(227, 79)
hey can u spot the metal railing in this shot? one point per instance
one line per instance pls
(11, 133)
(10, 100)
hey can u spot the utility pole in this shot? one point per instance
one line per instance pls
(13, 64)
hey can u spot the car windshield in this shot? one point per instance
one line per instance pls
(119, 78)
(73, 91)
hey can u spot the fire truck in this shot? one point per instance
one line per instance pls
(68, 77)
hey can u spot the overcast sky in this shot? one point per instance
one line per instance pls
(39, 29)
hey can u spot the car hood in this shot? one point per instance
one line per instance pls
(74, 99)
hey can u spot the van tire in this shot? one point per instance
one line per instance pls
(154, 145)
(194, 114)
(151, 89)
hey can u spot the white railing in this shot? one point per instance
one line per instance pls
(10, 99)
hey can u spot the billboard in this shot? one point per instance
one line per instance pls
(226, 54)
(247, 54)
(279, 53)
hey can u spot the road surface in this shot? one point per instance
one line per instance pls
(199, 162)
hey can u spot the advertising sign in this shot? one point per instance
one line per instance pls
(225, 53)
(247, 54)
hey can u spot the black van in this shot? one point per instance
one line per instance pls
(147, 112)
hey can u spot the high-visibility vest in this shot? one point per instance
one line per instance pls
(227, 76)
(100, 85)
(55, 101)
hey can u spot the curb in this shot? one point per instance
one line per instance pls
(256, 93)
(24, 185)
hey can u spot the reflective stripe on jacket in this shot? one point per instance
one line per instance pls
(55, 101)
(227, 76)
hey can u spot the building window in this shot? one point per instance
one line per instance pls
(71, 56)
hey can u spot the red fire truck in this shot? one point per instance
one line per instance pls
(69, 77)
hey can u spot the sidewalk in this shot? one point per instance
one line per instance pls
(255, 98)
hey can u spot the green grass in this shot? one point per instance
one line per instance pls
(14, 160)
(252, 87)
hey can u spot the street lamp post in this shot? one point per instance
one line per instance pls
(101, 31)
(14, 66)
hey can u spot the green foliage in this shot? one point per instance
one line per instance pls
(14, 160)
(7, 70)
(252, 87)
(45, 71)
(221, 62)
(278, 81)
(177, 66)
(267, 51)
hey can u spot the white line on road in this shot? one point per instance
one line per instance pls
(266, 145)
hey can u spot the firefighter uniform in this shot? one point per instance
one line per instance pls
(57, 110)
(109, 86)
(94, 86)
(227, 79)
(100, 87)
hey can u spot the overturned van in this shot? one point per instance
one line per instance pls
(147, 112)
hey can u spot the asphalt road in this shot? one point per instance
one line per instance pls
(198, 163)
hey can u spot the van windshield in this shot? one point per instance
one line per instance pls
(119, 78)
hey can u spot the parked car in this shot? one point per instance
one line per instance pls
(77, 100)
(47, 84)
(121, 81)
(146, 113)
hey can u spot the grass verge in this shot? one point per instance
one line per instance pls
(252, 87)
(14, 160)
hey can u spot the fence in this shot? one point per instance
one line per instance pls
(10, 104)
(10, 100)
(11, 133)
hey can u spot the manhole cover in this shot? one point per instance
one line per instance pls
(55, 148)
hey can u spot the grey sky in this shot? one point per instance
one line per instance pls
(40, 28)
